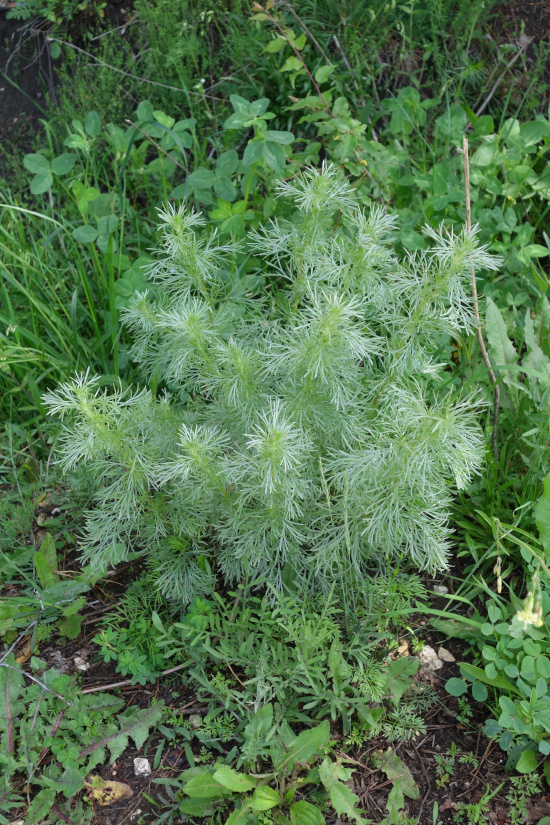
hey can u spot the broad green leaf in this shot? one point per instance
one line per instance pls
(502, 350)
(527, 762)
(479, 674)
(275, 45)
(456, 687)
(253, 152)
(258, 107)
(284, 138)
(145, 111)
(304, 813)
(198, 807)
(479, 692)
(41, 182)
(306, 745)
(63, 163)
(234, 781)
(205, 786)
(264, 798)
(227, 163)
(85, 234)
(92, 124)
(225, 189)
(36, 163)
(45, 562)
(323, 73)
(274, 156)
(201, 178)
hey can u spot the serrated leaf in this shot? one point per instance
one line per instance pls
(397, 772)
(306, 745)
(344, 801)
(40, 806)
(134, 723)
(69, 783)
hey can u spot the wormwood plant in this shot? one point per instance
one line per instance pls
(301, 434)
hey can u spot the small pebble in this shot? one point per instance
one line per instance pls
(81, 664)
(429, 659)
(445, 655)
(440, 588)
(142, 767)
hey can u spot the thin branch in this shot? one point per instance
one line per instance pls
(257, 7)
(500, 78)
(38, 682)
(133, 76)
(496, 388)
(129, 681)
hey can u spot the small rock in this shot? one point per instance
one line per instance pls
(195, 720)
(142, 767)
(135, 815)
(403, 649)
(445, 655)
(440, 588)
(80, 663)
(429, 659)
(41, 518)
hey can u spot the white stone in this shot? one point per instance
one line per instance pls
(445, 655)
(142, 767)
(429, 659)
(440, 588)
(81, 664)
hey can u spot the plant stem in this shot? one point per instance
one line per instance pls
(487, 360)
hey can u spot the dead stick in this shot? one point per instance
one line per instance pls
(496, 388)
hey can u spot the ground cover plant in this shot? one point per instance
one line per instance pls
(284, 488)
(305, 405)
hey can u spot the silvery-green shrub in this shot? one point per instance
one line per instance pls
(301, 434)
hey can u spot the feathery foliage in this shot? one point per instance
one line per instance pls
(301, 436)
